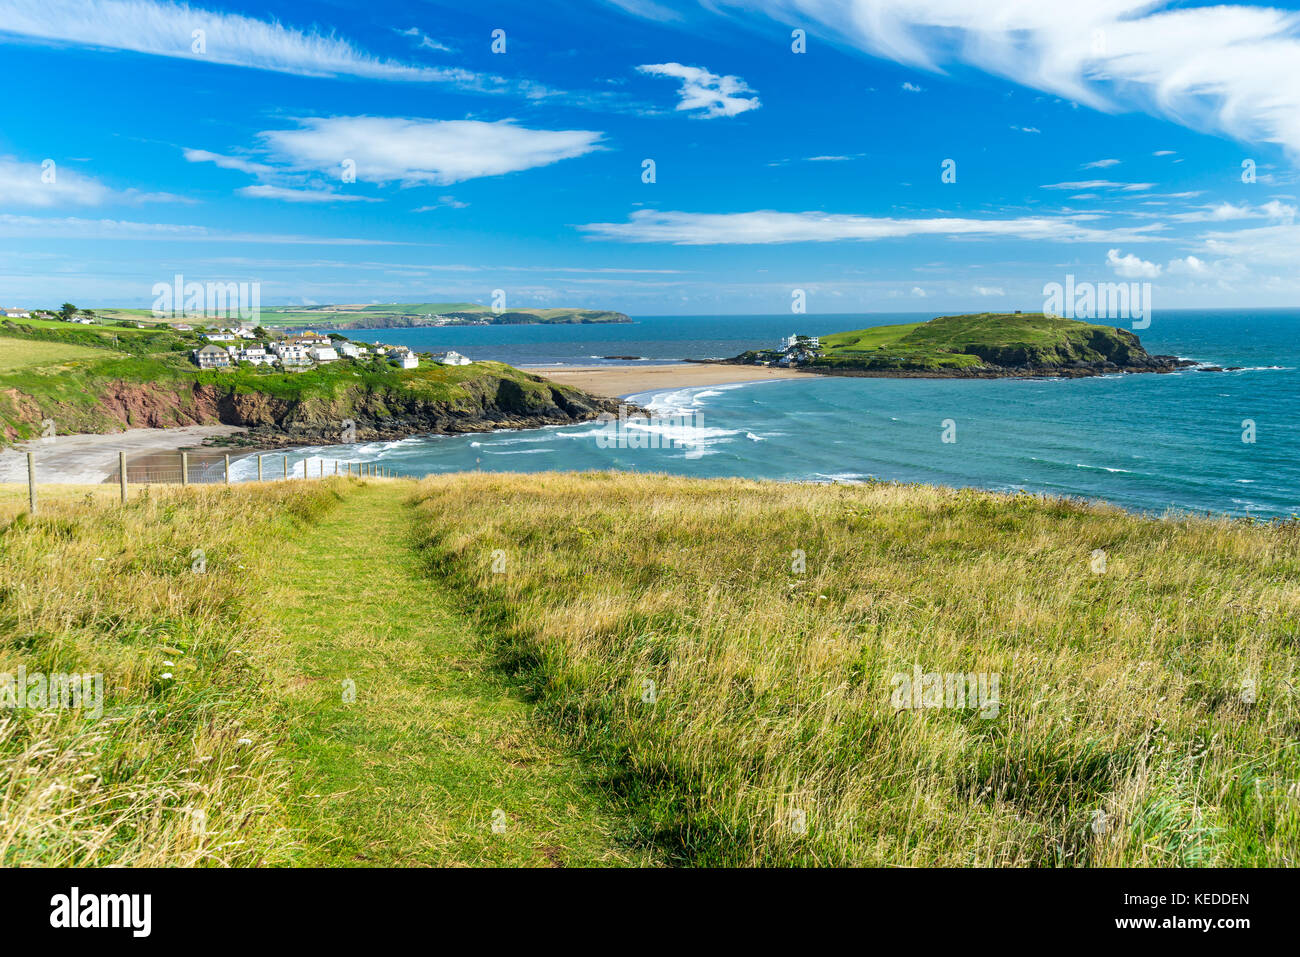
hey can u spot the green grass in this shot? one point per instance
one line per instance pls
(1123, 693)
(185, 766)
(22, 353)
(641, 669)
(972, 341)
(436, 741)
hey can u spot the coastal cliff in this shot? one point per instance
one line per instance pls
(320, 406)
(982, 345)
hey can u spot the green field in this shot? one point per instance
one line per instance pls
(972, 341)
(621, 669)
(24, 353)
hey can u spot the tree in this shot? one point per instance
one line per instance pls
(67, 310)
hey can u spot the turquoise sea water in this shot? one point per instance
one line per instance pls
(1147, 442)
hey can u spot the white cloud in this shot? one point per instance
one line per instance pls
(912, 88)
(1164, 153)
(43, 186)
(1227, 212)
(1100, 164)
(228, 162)
(1026, 129)
(76, 227)
(701, 90)
(1130, 266)
(419, 152)
(1189, 265)
(990, 291)
(1100, 184)
(264, 191)
(1223, 68)
(444, 202)
(770, 226)
(167, 29)
(918, 292)
(424, 41)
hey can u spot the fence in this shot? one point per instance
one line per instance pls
(269, 468)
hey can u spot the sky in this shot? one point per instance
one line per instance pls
(656, 157)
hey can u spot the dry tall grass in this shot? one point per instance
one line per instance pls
(1148, 713)
(180, 770)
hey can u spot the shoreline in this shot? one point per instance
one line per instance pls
(619, 382)
(91, 459)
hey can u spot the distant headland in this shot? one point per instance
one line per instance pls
(979, 345)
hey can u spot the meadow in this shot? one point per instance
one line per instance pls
(727, 652)
(614, 669)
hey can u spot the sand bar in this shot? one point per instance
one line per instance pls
(630, 379)
(90, 459)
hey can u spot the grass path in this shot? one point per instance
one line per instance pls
(437, 745)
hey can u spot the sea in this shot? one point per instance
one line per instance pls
(1190, 441)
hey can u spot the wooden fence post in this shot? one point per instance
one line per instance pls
(227, 469)
(259, 468)
(286, 466)
(185, 468)
(121, 468)
(31, 482)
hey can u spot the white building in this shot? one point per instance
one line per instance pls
(212, 357)
(323, 353)
(408, 360)
(220, 337)
(352, 350)
(450, 358)
(806, 342)
(17, 314)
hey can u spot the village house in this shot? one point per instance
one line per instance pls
(451, 358)
(291, 354)
(17, 314)
(220, 336)
(182, 327)
(408, 360)
(254, 354)
(323, 353)
(352, 350)
(308, 339)
(212, 357)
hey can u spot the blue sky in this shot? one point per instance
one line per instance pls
(337, 152)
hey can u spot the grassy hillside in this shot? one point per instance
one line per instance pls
(1148, 712)
(101, 379)
(979, 340)
(626, 669)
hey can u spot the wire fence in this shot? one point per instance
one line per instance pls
(207, 469)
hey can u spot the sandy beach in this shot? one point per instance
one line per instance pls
(90, 459)
(627, 380)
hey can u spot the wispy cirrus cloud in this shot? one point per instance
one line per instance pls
(706, 93)
(1101, 184)
(1224, 68)
(770, 226)
(17, 226)
(291, 195)
(169, 29)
